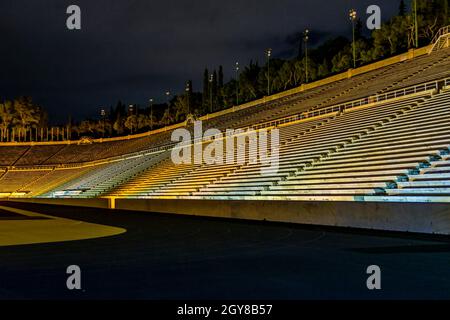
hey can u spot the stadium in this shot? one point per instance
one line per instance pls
(363, 178)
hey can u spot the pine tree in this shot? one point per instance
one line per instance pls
(111, 113)
(402, 8)
(189, 96)
(220, 93)
(446, 18)
(214, 91)
(220, 77)
(205, 94)
(69, 127)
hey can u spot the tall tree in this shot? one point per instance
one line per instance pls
(220, 75)
(6, 115)
(27, 115)
(189, 97)
(167, 118)
(220, 89)
(118, 125)
(131, 123)
(205, 94)
(249, 82)
(6, 118)
(446, 7)
(214, 91)
(402, 8)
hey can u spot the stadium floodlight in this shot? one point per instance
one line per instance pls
(211, 78)
(151, 113)
(353, 15)
(187, 89)
(268, 55)
(306, 38)
(167, 98)
(103, 114)
(237, 83)
(130, 111)
(168, 104)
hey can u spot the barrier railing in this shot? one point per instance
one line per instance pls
(442, 31)
(433, 85)
(447, 82)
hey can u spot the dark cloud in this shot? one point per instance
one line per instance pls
(133, 50)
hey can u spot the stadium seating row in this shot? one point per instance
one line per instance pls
(304, 159)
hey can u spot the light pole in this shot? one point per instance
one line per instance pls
(130, 111)
(187, 89)
(237, 83)
(168, 106)
(352, 15)
(151, 113)
(306, 38)
(268, 54)
(211, 78)
(103, 114)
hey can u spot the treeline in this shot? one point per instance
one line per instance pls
(19, 116)
(254, 80)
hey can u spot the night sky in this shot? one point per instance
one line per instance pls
(134, 50)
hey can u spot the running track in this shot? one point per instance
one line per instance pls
(179, 257)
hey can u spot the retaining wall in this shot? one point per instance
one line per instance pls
(392, 216)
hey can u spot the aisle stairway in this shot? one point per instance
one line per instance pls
(106, 177)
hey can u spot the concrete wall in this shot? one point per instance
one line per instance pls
(407, 217)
